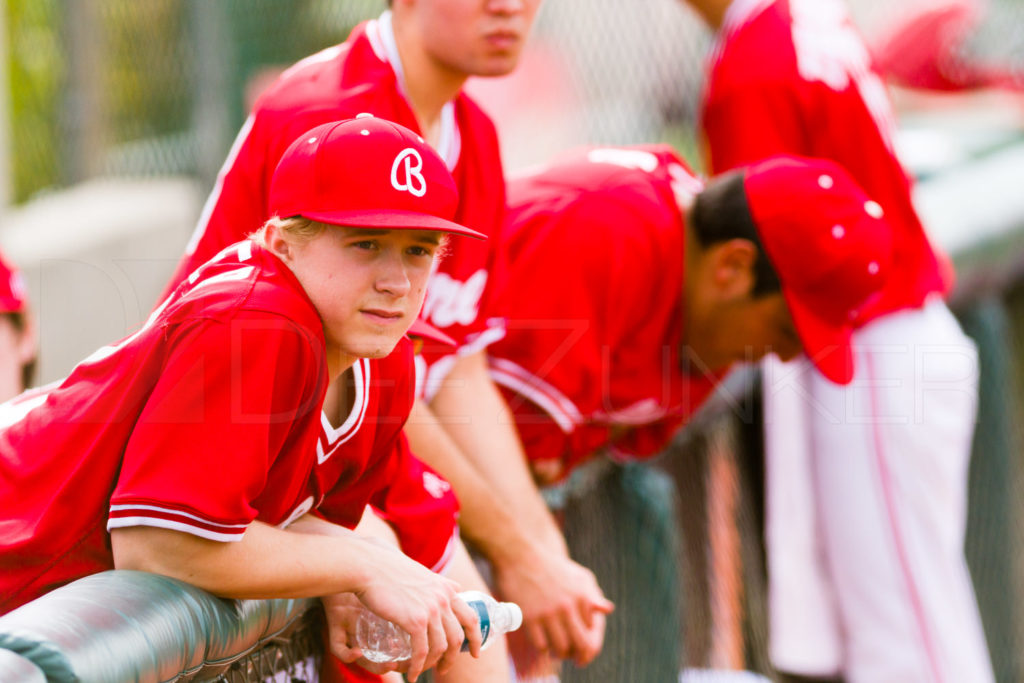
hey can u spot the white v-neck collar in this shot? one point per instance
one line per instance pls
(334, 437)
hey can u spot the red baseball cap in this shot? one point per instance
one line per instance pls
(366, 172)
(12, 288)
(830, 246)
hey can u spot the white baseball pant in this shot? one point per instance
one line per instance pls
(866, 508)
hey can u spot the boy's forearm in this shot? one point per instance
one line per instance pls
(478, 423)
(267, 562)
(492, 516)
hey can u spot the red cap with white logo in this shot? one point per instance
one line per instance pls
(830, 246)
(366, 172)
(12, 288)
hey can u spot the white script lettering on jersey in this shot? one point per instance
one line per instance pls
(685, 186)
(407, 173)
(829, 50)
(449, 301)
(435, 485)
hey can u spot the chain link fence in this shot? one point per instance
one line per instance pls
(123, 88)
(116, 87)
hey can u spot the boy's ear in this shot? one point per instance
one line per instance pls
(732, 267)
(276, 243)
(27, 348)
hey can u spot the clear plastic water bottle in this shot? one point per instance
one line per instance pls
(382, 641)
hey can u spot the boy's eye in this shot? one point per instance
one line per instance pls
(365, 244)
(420, 251)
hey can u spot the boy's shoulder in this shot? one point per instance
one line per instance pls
(243, 277)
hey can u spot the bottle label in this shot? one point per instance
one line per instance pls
(485, 622)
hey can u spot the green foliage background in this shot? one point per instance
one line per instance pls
(35, 70)
(145, 89)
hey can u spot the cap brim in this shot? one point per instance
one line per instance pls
(827, 346)
(425, 330)
(392, 220)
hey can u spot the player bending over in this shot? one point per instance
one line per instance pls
(865, 485)
(190, 448)
(610, 351)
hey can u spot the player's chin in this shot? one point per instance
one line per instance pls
(497, 64)
(376, 345)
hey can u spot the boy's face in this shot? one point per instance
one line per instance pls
(474, 37)
(367, 285)
(724, 322)
(17, 348)
(744, 329)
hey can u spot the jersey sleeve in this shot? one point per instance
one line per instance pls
(563, 305)
(368, 469)
(746, 124)
(420, 506)
(550, 448)
(231, 399)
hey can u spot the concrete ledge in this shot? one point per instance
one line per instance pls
(95, 259)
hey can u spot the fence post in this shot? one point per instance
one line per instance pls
(211, 114)
(993, 534)
(6, 170)
(82, 126)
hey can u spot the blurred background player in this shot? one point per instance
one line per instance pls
(17, 333)
(632, 289)
(924, 46)
(866, 486)
(409, 66)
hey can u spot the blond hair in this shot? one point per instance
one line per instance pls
(299, 230)
(296, 230)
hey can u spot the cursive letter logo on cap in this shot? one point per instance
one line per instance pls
(409, 164)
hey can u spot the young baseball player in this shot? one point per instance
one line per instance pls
(609, 351)
(409, 66)
(866, 485)
(195, 447)
(17, 333)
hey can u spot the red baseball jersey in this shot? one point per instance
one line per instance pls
(368, 460)
(363, 75)
(794, 76)
(593, 306)
(195, 423)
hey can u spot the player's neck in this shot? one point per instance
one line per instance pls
(340, 398)
(427, 103)
(337, 362)
(428, 84)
